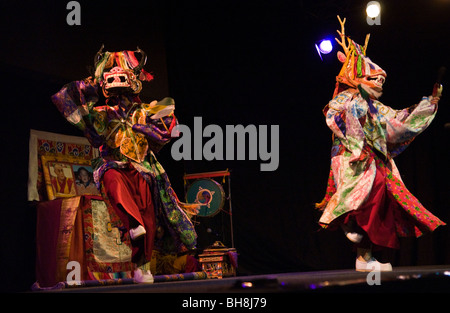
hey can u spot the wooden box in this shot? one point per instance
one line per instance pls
(218, 261)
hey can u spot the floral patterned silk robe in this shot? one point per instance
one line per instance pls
(366, 136)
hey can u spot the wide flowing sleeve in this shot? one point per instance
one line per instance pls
(156, 129)
(76, 102)
(402, 126)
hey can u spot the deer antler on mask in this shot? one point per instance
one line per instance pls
(120, 72)
(357, 69)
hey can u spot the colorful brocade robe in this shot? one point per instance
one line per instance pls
(366, 136)
(125, 135)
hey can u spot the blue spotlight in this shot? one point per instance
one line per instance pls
(324, 47)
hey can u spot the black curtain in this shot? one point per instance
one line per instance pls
(233, 62)
(255, 63)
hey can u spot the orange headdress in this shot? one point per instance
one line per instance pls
(357, 68)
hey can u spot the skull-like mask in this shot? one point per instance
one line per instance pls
(118, 81)
(120, 72)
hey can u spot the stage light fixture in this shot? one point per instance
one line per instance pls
(325, 46)
(373, 11)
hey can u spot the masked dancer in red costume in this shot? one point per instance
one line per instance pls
(128, 133)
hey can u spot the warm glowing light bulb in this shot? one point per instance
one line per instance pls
(373, 9)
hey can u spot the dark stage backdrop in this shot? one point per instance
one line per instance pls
(255, 63)
(233, 62)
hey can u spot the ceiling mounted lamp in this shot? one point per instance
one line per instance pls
(373, 11)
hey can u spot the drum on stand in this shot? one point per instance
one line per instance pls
(209, 194)
(211, 226)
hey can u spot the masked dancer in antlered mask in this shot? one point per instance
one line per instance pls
(366, 195)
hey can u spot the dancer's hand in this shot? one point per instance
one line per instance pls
(435, 100)
(437, 90)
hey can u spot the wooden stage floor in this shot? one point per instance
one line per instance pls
(428, 279)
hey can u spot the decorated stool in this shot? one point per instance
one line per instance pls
(218, 261)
